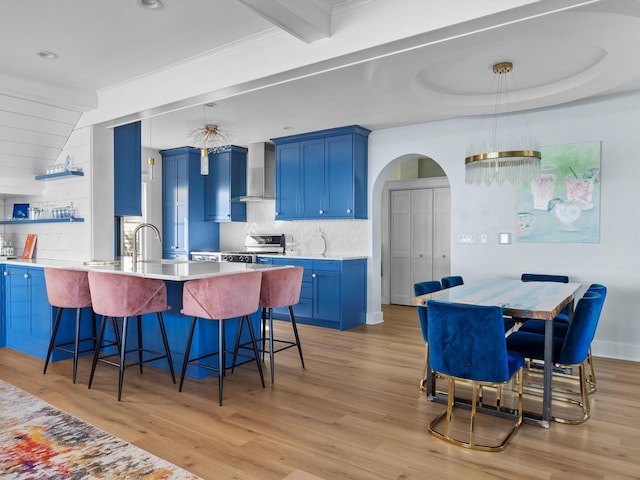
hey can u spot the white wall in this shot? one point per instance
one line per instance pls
(65, 241)
(614, 261)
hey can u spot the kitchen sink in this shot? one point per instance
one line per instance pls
(101, 263)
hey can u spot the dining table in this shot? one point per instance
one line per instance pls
(519, 300)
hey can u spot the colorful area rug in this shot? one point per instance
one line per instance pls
(40, 442)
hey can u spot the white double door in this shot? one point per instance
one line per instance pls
(420, 227)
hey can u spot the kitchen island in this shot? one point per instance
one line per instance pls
(28, 317)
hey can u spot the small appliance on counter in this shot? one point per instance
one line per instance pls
(255, 244)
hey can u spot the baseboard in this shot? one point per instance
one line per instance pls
(375, 318)
(620, 351)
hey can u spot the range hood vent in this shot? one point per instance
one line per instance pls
(261, 173)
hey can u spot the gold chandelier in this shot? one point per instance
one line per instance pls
(504, 159)
(209, 137)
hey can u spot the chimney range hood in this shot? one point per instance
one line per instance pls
(261, 173)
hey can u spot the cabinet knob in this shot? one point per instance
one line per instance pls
(348, 210)
(444, 256)
(321, 212)
(276, 214)
(421, 255)
(6, 274)
(26, 275)
(313, 275)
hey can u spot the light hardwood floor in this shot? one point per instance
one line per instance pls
(354, 413)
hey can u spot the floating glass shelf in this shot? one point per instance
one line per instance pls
(41, 220)
(59, 175)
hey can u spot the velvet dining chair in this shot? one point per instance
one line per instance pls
(467, 344)
(570, 349)
(452, 281)
(560, 327)
(422, 288)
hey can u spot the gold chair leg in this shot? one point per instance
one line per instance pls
(591, 378)
(472, 423)
(423, 379)
(584, 403)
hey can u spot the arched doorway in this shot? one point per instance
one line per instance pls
(417, 184)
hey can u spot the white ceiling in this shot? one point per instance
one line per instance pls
(378, 79)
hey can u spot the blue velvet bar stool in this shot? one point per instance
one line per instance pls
(221, 299)
(422, 288)
(569, 350)
(452, 281)
(125, 296)
(467, 344)
(69, 289)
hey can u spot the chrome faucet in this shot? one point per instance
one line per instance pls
(134, 253)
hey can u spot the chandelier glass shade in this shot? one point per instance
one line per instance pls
(503, 159)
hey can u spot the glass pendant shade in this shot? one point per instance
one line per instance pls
(500, 158)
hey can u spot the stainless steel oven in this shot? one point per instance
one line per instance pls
(255, 244)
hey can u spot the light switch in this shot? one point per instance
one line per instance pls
(504, 238)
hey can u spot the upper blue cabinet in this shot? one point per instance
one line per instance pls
(127, 173)
(322, 175)
(227, 180)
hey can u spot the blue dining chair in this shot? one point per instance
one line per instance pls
(452, 281)
(422, 288)
(560, 327)
(543, 277)
(570, 349)
(467, 344)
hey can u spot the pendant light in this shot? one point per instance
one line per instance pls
(500, 157)
(208, 137)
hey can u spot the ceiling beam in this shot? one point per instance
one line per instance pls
(301, 18)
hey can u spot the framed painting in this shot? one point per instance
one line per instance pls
(562, 205)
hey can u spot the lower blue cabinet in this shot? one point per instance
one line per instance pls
(29, 316)
(333, 293)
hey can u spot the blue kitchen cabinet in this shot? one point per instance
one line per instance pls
(333, 293)
(28, 314)
(226, 181)
(322, 175)
(127, 173)
(184, 226)
(288, 170)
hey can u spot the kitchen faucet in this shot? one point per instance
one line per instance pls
(134, 252)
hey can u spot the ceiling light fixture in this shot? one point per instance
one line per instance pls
(150, 4)
(48, 55)
(208, 137)
(504, 159)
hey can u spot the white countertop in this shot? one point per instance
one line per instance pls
(162, 269)
(314, 257)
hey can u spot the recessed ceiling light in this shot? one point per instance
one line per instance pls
(150, 4)
(210, 104)
(48, 55)
(288, 127)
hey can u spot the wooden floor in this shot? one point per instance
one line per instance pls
(354, 413)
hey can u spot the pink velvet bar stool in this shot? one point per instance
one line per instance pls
(223, 298)
(280, 288)
(124, 296)
(69, 289)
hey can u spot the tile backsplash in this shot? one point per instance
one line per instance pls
(343, 237)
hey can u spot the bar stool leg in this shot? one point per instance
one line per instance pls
(221, 362)
(255, 348)
(123, 351)
(139, 319)
(96, 352)
(237, 344)
(56, 324)
(271, 352)
(264, 332)
(295, 332)
(76, 348)
(185, 363)
(166, 346)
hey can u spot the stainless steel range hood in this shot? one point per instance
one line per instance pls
(261, 173)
